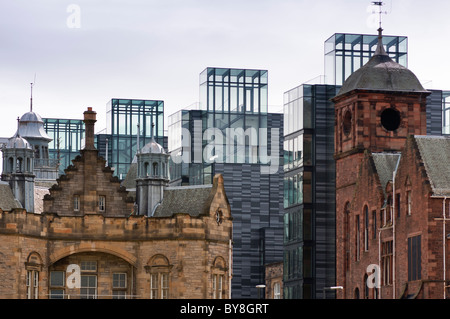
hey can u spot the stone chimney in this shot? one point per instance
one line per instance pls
(90, 117)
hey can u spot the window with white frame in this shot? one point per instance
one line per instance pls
(277, 291)
(32, 284)
(57, 284)
(218, 280)
(88, 288)
(119, 285)
(159, 286)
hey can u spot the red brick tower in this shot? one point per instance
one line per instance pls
(377, 108)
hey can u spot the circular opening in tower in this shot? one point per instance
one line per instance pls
(347, 123)
(390, 119)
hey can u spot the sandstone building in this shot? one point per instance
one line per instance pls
(95, 239)
(392, 187)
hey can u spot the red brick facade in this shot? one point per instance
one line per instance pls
(400, 233)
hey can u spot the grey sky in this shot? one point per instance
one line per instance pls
(156, 49)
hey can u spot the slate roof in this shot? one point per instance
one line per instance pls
(435, 153)
(385, 164)
(7, 200)
(130, 180)
(190, 200)
(381, 73)
(31, 125)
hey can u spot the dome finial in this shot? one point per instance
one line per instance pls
(380, 47)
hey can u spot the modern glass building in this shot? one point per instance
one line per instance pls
(231, 133)
(345, 53)
(446, 112)
(309, 183)
(122, 119)
(67, 138)
(120, 136)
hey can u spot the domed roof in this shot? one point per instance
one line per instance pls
(153, 148)
(31, 117)
(31, 125)
(381, 73)
(18, 141)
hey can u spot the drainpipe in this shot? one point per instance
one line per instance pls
(443, 243)
(230, 266)
(379, 259)
(394, 174)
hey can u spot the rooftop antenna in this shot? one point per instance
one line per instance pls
(31, 97)
(380, 4)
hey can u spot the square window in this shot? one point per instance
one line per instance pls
(57, 278)
(119, 280)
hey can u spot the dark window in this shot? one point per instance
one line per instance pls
(414, 257)
(347, 123)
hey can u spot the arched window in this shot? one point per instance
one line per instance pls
(10, 165)
(366, 228)
(219, 272)
(146, 169)
(19, 163)
(33, 266)
(155, 169)
(347, 235)
(356, 293)
(159, 269)
(366, 287)
(28, 165)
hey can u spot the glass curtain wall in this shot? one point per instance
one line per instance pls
(68, 136)
(233, 102)
(123, 117)
(446, 112)
(346, 53)
(308, 189)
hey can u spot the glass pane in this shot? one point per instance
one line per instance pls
(57, 278)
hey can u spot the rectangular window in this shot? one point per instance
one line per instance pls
(358, 238)
(374, 217)
(119, 280)
(276, 291)
(88, 289)
(154, 286)
(397, 204)
(409, 199)
(366, 229)
(89, 265)
(57, 284)
(159, 286)
(414, 258)
(101, 203)
(164, 286)
(56, 294)
(32, 284)
(218, 286)
(57, 278)
(386, 262)
(76, 203)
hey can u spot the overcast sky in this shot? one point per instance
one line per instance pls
(85, 52)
